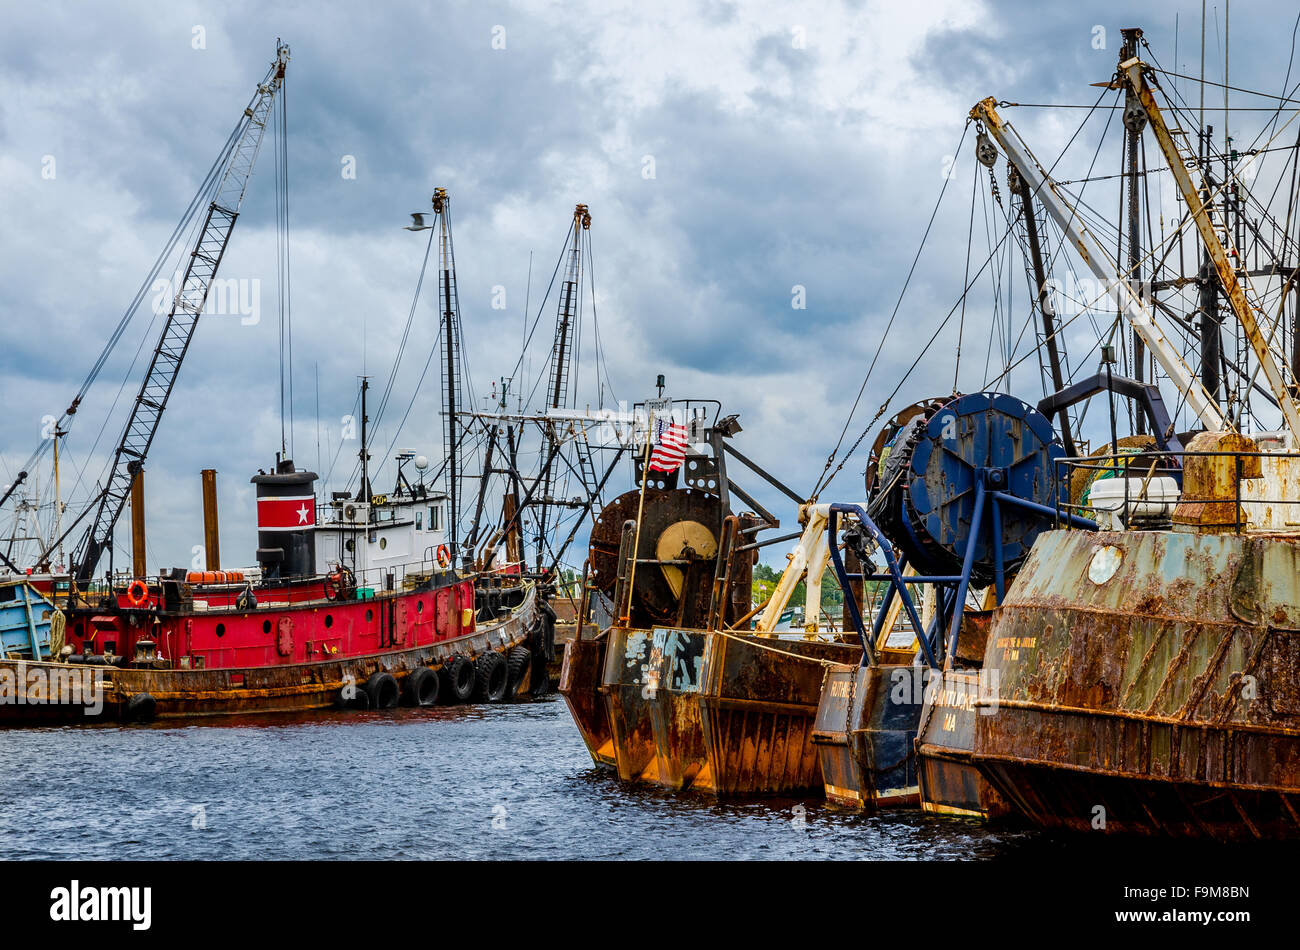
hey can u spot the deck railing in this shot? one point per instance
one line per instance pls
(1241, 491)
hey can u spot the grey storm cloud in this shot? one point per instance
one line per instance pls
(792, 145)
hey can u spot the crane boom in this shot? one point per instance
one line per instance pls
(1133, 72)
(178, 330)
(1100, 263)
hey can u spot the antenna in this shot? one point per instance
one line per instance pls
(363, 493)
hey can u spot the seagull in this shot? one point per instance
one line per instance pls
(417, 222)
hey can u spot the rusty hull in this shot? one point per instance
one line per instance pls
(627, 683)
(681, 760)
(864, 731)
(723, 713)
(1149, 682)
(950, 783)
(650, 689)
(758, 700)
(580, 673)
(221, 692)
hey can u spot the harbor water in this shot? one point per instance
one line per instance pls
(470, 782)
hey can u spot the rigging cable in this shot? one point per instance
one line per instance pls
(823, 480)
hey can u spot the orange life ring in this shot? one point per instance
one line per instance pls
(137, 593)
(444, 556)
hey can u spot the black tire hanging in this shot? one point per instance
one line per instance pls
(491, 677)
(457, 676)
(422, 687)
(352, 697)
(141, 707)
(383, 690)
(518, 661)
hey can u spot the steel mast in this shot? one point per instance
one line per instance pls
(557, 396)
(449, 309)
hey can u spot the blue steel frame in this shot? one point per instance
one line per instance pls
(898, 585)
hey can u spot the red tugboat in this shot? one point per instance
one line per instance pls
(371, 627)
(355, 602)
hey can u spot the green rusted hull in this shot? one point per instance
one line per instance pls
(1149, 682)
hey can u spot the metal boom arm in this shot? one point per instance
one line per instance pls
(1100, 263)
(1134, 73)
(178, 331)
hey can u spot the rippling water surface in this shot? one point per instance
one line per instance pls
(468, 782)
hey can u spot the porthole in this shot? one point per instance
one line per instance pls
(266, 626)
(221, 629)
(350, 545)
(383, 543)
(419, 606)
(370, 615)
(329, 620)
(1106, 559)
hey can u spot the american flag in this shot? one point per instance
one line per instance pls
(670, 447)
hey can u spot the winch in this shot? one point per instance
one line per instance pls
(931, 487)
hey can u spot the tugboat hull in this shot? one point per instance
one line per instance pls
(46, 692)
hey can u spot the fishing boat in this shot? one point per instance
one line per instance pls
(676, 689)
(1148, 670)
(1108, 646)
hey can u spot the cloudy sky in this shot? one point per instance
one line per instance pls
(729, 154)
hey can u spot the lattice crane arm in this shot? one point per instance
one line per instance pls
(178, 330)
